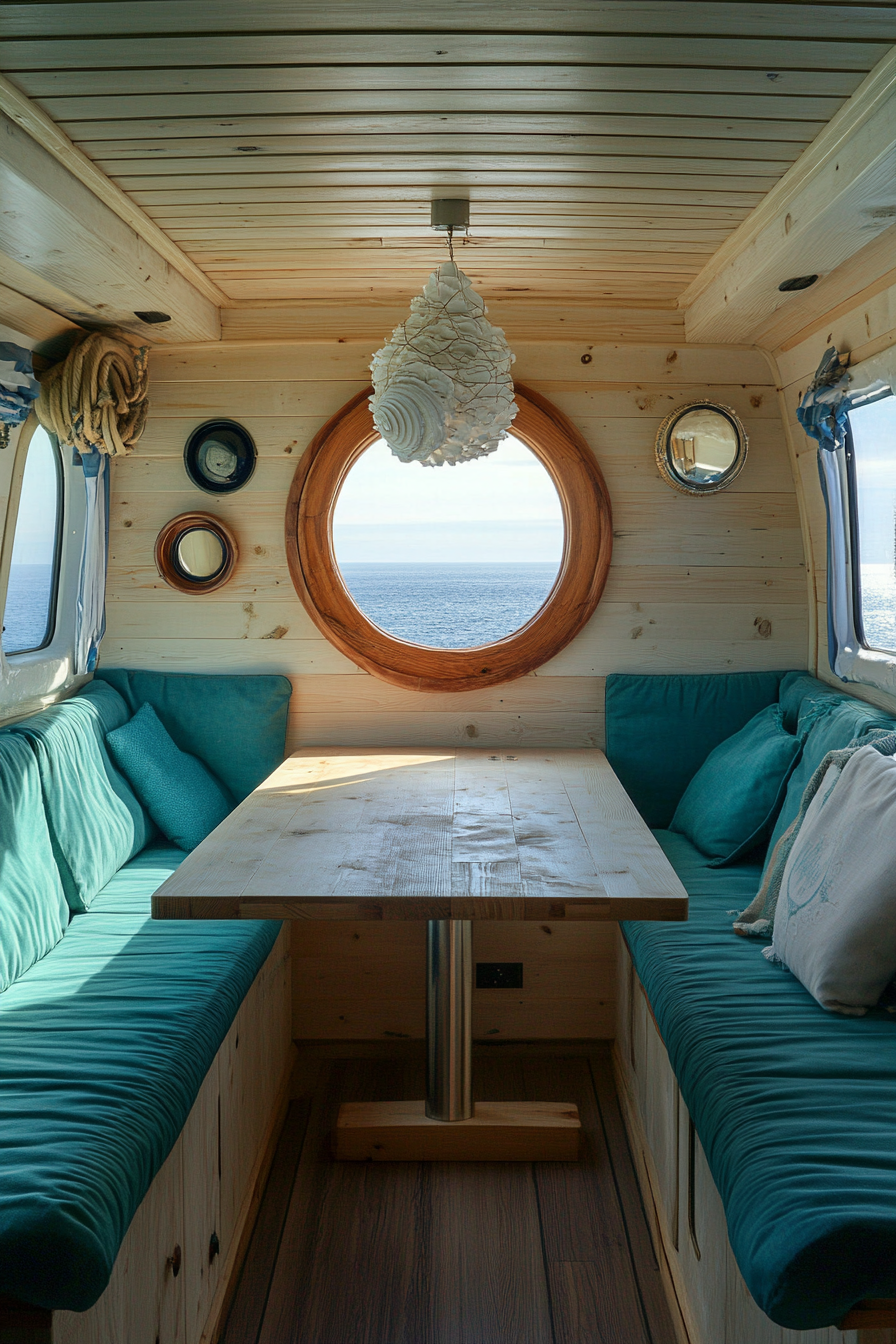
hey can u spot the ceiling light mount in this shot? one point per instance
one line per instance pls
(450, 216)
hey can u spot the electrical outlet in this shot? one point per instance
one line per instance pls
(499, 975)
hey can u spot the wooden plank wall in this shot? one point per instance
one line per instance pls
(864, 329)
(704, 585)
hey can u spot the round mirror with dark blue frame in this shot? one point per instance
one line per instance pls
(220, 457)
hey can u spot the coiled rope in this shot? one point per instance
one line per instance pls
(95, 400)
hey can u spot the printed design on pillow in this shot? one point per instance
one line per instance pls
(820, 881)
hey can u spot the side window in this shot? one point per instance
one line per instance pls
(872, 477)
(30, 613)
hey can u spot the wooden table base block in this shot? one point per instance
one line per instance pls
(499, 1131)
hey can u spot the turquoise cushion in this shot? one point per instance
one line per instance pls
(180, 793)
(130, 891)
(103, 1047)
(794, 1106)
(827, 721)
(732, 802)
(237, 725)
(797, 687)
(96, 822)
(33, 909)
(660, 729)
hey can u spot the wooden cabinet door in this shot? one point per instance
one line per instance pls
(659, 1089)
(703, 1249)
(625, 975)
(144, 1302)
(203, 1259)
(154, 1303)
(245, 1090)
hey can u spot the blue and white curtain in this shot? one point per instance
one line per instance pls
(18, 387)
(823, 414)
(90, 623)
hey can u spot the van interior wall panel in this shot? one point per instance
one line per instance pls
(642, 176)
(715, 585)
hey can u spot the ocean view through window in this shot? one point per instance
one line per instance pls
(31, 592)
(449, 557)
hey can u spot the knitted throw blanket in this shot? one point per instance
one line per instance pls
(758, 920)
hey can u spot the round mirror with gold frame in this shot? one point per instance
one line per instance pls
(196, 553)
(701, 447)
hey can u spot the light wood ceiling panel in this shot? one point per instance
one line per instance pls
(291, 149)
(845, 19)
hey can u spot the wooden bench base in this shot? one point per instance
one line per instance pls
(499, 1131)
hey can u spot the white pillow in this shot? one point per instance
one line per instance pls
(835, 925)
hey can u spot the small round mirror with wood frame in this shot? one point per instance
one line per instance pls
(701, 447)
(196, 553)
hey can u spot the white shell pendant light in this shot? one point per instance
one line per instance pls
(442, 385)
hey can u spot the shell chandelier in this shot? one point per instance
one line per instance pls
(442, 390)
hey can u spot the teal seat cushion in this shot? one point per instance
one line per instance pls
(660, 729)
(130, 891)
(182, 796)
(731, 804)
(799, 686)
(827, 721)
(793, 1106)
(103, 1047)
(33, 908)
(96, 821)
(235, 724)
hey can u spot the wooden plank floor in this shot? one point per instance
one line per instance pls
(452, 1253)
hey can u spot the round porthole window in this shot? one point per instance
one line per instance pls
(382, 594)
(220, 457)
(425, 557)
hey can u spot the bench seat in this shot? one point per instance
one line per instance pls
(130, 890)
(114, 1020)
(794, 1106)
(103, 1047)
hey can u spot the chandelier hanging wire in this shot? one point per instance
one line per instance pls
(442, 389)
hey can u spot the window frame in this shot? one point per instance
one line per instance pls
(29, 680)
(582, 574)
(15, 502)
(849, 659)
(853, 529)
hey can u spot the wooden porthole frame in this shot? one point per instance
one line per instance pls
(587, 547)
(166, 553)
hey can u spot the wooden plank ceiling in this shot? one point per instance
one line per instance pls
(292, 148)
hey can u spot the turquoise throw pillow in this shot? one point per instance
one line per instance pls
(731, 804)
(182, 796)
(242, 740)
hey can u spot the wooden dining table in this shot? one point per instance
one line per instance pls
(446, 835)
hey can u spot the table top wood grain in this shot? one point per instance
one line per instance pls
(437, 833)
